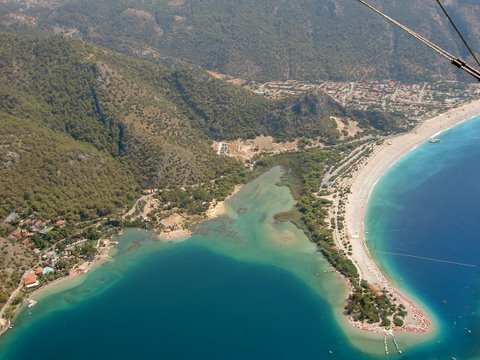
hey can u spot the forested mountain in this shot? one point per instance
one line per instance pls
(101, 100)
(127, 109)
(97, 121)
(269, 39)
(54, 175)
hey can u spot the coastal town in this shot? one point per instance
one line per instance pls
(416, 100)
(46, 251)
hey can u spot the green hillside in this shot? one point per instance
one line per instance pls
(50, 173)
(152, 124)
(126, 108)
(82, 126)
(270, 39)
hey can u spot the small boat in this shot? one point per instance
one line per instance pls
(32, 303)
(434, 140)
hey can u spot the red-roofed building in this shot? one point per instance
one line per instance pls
(60, 222)
(15, 235)
(30, 280)
(375, 289)
(39, 271)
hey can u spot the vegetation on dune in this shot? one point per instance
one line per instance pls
(314, 209)
(366, 303)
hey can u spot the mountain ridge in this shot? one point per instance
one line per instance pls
(156, 124)
(308, 39)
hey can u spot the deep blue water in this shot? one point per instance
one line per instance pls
(240, 290)
(188, 303)
(229, 292)
(428, 205)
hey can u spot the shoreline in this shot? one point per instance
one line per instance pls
(79, 270)
(216, 209)
(364, 181)
(219, 208)
(174, 235)
(75, 277)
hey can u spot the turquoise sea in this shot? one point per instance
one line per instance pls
(428, 206)
(247, 287)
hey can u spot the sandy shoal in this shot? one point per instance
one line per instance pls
(219, 208)
(174, 235)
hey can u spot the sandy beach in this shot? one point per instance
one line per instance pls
(364, 181)
(174, 235)
(218, 208)
(74, 278)
(78, 271)
(180, 232)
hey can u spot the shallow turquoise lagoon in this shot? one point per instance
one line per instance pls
(248, 287)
